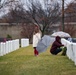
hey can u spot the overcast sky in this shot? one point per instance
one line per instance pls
(24, 1)
(66, 1)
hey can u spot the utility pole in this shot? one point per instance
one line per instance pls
(63, 27)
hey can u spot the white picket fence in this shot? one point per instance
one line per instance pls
(71, 50)
(12, 45)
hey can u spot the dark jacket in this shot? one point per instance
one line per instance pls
(56, 44)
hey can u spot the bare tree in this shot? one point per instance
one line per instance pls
(27, 31)
(44, 17)
(71, 29)
(6, 4)
(70, 18)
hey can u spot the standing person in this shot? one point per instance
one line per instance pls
(56, 46)
(36, 38)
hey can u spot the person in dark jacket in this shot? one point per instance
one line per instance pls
(55, 49)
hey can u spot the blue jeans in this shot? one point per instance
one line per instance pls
(55, 52)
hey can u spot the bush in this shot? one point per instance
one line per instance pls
(9, 36)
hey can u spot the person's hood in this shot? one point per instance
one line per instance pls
(58, 38)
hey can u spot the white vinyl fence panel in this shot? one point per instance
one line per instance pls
(71, 49)
(74, 52)
(12, 45)
(8, 46)
(24, 42)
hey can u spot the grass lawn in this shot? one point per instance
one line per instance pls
(23, 62)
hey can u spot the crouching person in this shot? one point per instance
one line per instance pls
(56, 46)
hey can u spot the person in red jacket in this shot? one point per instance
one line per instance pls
(55, 49)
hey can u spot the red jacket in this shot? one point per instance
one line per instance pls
(56, 44)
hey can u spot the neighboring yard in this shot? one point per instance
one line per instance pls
(23, 62)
